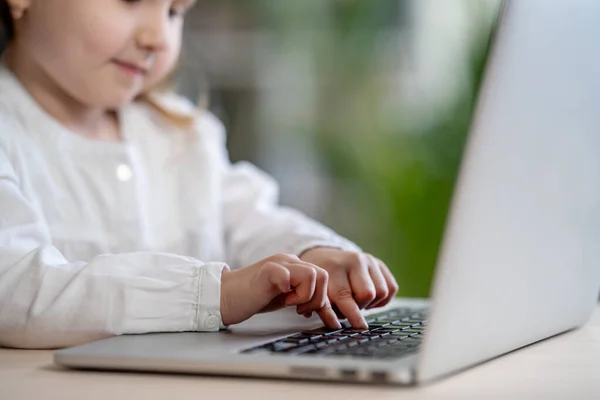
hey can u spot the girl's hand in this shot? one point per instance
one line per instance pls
(356, 281)
(273, 283)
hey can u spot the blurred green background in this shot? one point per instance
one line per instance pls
(359, 108)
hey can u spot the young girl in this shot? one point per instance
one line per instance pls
(119, 210)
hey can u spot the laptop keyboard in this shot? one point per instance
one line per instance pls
(392, 334)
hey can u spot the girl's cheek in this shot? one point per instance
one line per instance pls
(164, 65)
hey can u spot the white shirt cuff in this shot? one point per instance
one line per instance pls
(208, 306)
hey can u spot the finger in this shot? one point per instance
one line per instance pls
(341, 296)
(391, 284)
(303, 279)
(277, 303)
(277, 275)
(328, 316)
(319, 297)
(361, 282)
(381, 286)
(320, 303)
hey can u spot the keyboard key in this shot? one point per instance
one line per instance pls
(409, 327)
(298, 341)
(376, 325)
(339, 337)
(402, 343)
(313, 351)
(332, 348)
(418, 328)
(390, 351)
(354, 331)
(364, 338)
(344, 353)
(279, 346)
(300, 350)
(403, 325)
(322, 331)
(299, 336)
(414, 339)
(411, 332)
(388, 329)
(388, 321)
(412, 321)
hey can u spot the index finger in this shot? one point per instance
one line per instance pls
(343, 299)
(328, 316)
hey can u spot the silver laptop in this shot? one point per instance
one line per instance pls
(519, 259)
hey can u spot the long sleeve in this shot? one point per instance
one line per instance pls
(47, 301)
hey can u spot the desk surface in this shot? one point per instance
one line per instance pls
(564, 367)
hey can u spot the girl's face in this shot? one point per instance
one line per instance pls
(103, 53)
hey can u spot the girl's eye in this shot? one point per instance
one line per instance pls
(176, 12)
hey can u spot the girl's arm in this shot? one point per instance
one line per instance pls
(47, 301)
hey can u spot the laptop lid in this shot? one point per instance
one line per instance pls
(518, 262)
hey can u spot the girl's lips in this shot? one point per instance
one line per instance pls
(130, 68)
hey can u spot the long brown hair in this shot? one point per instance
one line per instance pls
(180, 120)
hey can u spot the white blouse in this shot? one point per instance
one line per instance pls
(107, 238)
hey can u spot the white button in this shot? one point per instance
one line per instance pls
(124, 172)
(212, 321)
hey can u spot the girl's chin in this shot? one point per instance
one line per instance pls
(119, 101)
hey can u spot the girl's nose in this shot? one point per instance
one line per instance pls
(152, 36)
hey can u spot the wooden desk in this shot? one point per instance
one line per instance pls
(565, 367)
